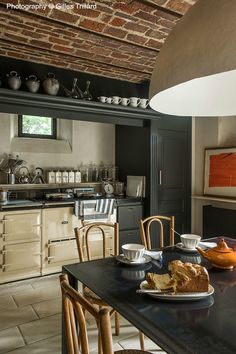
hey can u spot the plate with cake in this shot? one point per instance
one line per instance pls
(184, 282)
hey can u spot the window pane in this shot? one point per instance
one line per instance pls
(36, 125)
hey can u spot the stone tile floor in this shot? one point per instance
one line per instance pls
(30, 320)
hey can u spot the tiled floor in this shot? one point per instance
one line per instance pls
(30, 320)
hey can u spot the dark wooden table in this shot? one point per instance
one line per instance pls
(206, 326)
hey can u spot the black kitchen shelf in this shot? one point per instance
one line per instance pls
(21, 102)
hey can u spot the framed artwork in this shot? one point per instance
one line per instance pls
(220, 172)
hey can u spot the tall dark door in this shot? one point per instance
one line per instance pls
(171, 173)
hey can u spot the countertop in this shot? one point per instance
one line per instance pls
(27, 203)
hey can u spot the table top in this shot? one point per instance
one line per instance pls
(205, 326)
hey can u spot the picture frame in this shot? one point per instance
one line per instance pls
(220, 172)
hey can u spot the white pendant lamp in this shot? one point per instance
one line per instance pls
(195, 72)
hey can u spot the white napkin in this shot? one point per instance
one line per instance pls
(153, 254)
(207, 244)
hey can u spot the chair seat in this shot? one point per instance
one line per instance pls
(90, 295)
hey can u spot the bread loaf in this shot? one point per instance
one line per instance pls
(185, 277)
(188, 277)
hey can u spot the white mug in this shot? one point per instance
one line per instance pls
(144, 102)
(102, 99)
(134, 101)
(116, 99)
(109, 100)
(125, 101)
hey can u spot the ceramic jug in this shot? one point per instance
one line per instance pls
(32, 83)
(13, 80)
(51, 85)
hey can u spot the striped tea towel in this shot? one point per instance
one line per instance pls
(85, 210)
(105, 206)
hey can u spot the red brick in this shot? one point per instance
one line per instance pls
(87, 12)
(59, 41)
(120, 55)
(136, 27)
(154, 44)
(10, 36)
(136, 39)
(125, 16)
(115, 32)
(41, 44)
(118, 22)
(166, 23)
(155, 34)
(105, 18)
(64, 16)
(92, 25)
(31, 34)
(124, 7)
(147, 17)
(181, 7)
(61, 48)
(101, 50)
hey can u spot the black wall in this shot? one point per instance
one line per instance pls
(100, 86)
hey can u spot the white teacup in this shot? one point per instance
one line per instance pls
(125, 101)
(133, 251)
(102, 99)
(190, 240)
(116, 99)
(144, 103)
(109, 100)
(134, 101)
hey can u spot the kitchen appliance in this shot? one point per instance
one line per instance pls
(86, 192)
(58, 196)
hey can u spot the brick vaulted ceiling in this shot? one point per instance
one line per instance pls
(116, 39)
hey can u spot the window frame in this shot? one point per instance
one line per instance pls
(39, 136)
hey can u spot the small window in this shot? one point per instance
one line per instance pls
(37, 127)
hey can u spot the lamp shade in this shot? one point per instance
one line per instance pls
(195, 72)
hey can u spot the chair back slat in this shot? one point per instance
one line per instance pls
(145, 225)
(74, 307)
(86, 232)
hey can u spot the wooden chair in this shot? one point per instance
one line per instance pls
(145, 225)
(84, 244)
(74, 307)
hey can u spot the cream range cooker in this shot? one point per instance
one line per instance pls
(38, 240)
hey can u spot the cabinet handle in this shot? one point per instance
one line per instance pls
(160, 177)
(65, 222)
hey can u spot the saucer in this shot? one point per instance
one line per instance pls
(181, 247)
(143, 260)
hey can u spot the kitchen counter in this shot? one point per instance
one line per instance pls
(19, 204)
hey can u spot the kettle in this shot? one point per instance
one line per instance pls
(220, 256)
(51, 85)
(24, 177)
(13, 80)
(32, 83)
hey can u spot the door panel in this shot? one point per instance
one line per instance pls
(21, 227)
(21, 256)
(171, 174)
(61, 251)
(59, 222)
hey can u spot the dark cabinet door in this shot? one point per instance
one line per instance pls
(129, 216)
(170, 177)
(129, 236)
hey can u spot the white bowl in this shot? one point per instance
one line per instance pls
(133, 251)
(190, 240)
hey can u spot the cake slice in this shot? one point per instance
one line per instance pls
(184, 277)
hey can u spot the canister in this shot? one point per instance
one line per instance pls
(51, 177)
(77, 177)
(65, 177)
(58, 176)
(71, 177)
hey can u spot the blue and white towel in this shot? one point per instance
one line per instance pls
(105, 206)
(89, 210)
